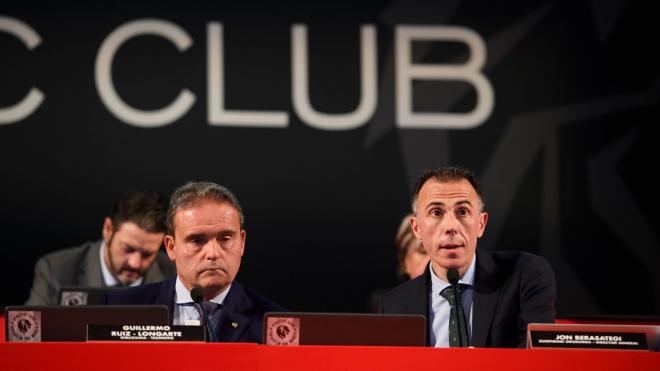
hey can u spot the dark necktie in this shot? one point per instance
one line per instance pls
(458, 335)
(213, 309)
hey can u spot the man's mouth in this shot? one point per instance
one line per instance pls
(214, 270)
(130, 272)
(451, 245)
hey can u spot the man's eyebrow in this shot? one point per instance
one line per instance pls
(138, 248)
(223, 232)
(440, 203)
(435, 203)
(194, 236)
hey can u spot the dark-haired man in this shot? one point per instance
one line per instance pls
(499, 293)
(128, 254)
(206, 240)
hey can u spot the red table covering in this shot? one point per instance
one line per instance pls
(252, 357)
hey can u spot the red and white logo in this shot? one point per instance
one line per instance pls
(24, 326)
(283, 331)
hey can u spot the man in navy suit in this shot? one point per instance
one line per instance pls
(206, 240)
(500, 293)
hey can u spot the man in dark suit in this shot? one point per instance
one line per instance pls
(501, 292)
(206, 240)
(128, 255)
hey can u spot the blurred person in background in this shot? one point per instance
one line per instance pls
(412, 257)
(129, 253)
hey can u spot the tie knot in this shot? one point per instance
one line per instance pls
(449, 295)
(210, 307)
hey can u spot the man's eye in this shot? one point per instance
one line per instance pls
(225, 238)
(463, 212)
(436, 212)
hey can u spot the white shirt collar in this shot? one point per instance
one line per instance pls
(109, 279)
(183, 295)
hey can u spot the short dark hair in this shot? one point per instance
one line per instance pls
(192, 193)
(447, 174)
(144, 208)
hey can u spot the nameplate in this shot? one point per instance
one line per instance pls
(588, 340)
(144, 333)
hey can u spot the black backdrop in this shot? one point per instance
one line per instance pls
(566, 155)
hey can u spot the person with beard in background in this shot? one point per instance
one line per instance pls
(127, 255)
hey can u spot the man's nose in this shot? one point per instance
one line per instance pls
(450, 224)
(135, 260)
(212, 250)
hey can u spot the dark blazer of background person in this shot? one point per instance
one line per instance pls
(512, 289)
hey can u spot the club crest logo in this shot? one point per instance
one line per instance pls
(283, 331)
(24, 326)
(74, 298)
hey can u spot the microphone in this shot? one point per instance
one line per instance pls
(452, 276)
(197, 295)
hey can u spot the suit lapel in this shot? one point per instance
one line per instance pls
(166, 296)
(89, 273)
(233, 323)
(486, 293)
(410, 298)
(420, 303)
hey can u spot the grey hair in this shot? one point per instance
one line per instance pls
(192, 193)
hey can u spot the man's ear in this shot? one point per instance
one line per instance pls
(107, 229)
(243, 237)
(483, 220)
(414, 225)
(168, 241)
